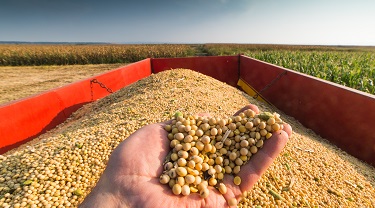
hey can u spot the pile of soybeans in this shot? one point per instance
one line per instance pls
(205, 149)
(59, 168)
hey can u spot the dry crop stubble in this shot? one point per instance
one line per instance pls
(21, 81)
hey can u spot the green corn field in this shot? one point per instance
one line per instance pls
(349, 66)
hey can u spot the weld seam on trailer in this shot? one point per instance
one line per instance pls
(152, 66)
(62, 105)
(239, 67)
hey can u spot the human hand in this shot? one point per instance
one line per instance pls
(131, 178)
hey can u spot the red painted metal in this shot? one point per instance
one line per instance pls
(21, 121)
(26, 119)
(339, 114)
(223, 68)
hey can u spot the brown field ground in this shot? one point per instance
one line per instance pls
(18, 82)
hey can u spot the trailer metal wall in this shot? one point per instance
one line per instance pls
(344, 116)
(25, 119)
(223, 68)
(339, 114)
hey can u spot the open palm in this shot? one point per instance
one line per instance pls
(131, 178)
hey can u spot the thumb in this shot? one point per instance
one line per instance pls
(259, 162)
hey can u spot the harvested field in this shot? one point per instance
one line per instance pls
(60, 168)
(20, 82)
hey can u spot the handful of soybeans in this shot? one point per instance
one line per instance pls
(205, 149)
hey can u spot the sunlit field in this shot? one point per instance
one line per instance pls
(349, 66)
(24, 55)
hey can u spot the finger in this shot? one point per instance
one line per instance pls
(249, 106)
(233, 191)
(204, 115)
(259, 162)
(288, 129)
(167, 122)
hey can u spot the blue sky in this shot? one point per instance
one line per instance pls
(311, 22)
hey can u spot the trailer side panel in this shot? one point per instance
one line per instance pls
(342, 115)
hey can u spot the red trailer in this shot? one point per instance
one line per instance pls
(342, 115)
